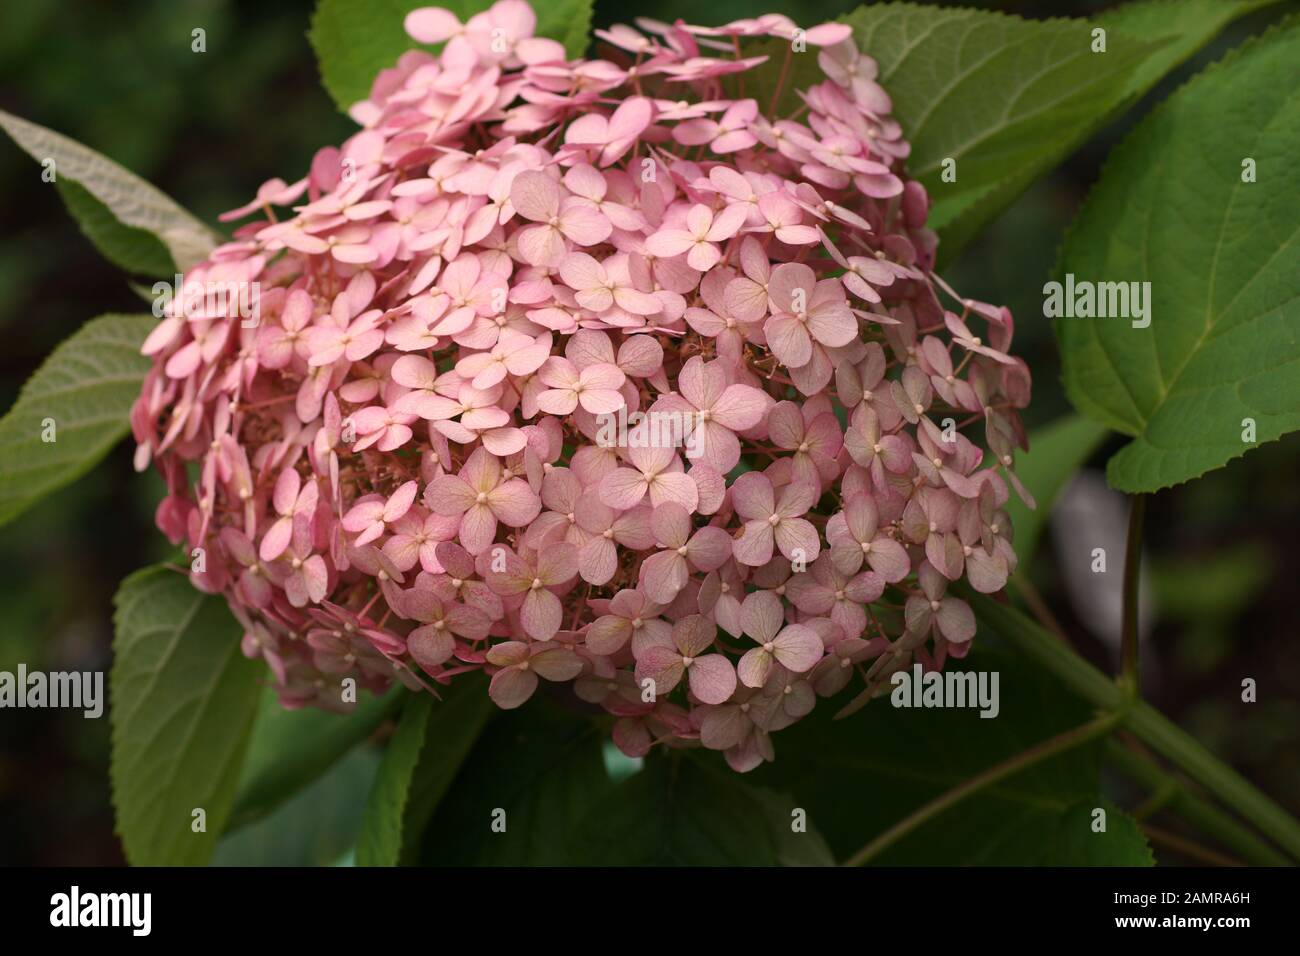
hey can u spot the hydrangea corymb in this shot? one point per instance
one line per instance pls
(397, 473)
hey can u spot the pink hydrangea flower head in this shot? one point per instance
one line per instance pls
(591, 372)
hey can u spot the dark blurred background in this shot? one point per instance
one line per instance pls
(208, 129)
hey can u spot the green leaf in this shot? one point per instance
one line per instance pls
(568, 21)
(680, 811)
(1122, 843)
(1173, 30)
(317, 826)
(541, 767)
(1223, 262)
(380, 842)
(894, 760)
(425, 754)
(86, 387)
(355, 39)
(794, 847)
(1188, 24)
(137, 251)
(1055, 453)
(292, 748)
(131, 200)
(183, 702)
(1006, 98)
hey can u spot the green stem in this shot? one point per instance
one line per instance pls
(1202, 814)
(1035, 754)
(1130, 678)
(1143, 720)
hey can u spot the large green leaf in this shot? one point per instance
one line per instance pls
(1006, 98)
(680, 811)
(1188, 24)
(355, 39)
(132, 201)
(1172, 29)
(183, 703)
(86, 388)
(858, 776)
(137, 251)
(420, 762)
(292, 748)
(537, 771)
(317, 826)
(1223, 262)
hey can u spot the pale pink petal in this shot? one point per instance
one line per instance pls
(663, 575)
(276, 539)
(514, 503)
(663, 666)
(608, 634)
(511, 688)
(888, 559)
(449, 495)
(669, 242)
(430, 646)
(478, 527)
(674, 486)
(541, 614)
(740, 408)
(709, 549)
(400, 502)
(431, 25)
(797, 539)
(798, 648)
(597, 562)
(788, 339)
(712, 678)
(955, 620)
(754, 667)
(752, 495)
(535, 195)
(582, 223)
(754, 546)
(556, 664)
(622, 488)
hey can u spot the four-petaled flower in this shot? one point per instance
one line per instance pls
(480, 497)
(710, 676)
(794, 646)
(769, 520)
